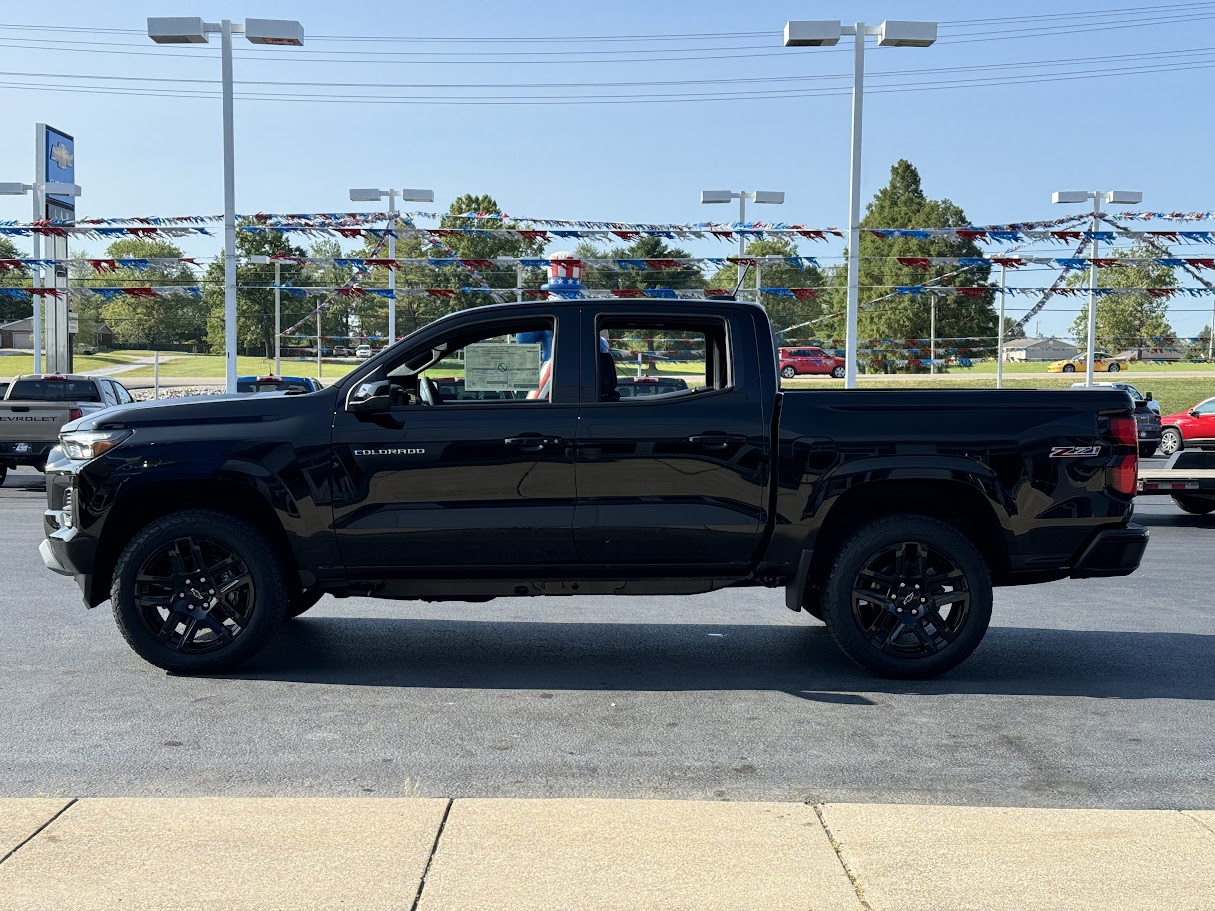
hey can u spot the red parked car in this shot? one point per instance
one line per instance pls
(1195, 428)
(794, 361)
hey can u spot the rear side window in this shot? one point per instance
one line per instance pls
(662, 357)
(55, 391)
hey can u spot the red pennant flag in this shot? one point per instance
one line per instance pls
(1013, 262)
(477, 263)
(973, 292)
(1160, 292)
(971, 234)
(915, 262)
(813, 235)
(140, 292)
(717, 292)
(627, 235)
(723, 235)
(350, 232)
(534, 235)
(383, 263)
(662, 264)
(1065, 235)
(534, 294)
(11, 265)
(1201, 263)
(748, 261)
(1103, 262)
(441, 293)
(805, 294)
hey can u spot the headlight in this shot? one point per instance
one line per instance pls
(89, 444)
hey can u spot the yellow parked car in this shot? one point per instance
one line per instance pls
(1102, 363)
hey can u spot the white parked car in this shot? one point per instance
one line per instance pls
(362, 352)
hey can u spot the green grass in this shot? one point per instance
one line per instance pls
(14, 365)
(211, 366)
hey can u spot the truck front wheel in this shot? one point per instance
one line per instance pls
(198, 592)
(907, 596)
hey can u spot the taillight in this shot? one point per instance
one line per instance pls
(74, 414)
(1123, 475)
(1123, 432)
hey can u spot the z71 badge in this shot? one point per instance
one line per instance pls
(1074, 452)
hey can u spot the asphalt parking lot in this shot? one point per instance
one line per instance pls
(1095, 693)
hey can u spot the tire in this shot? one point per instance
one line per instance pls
(1147, 450)
(838, 373)
(299, 604)
(1196, 506)
(788, 373)
(3, 473)
(1171, 441)
(1069, 368)
(191, 637)
(877, 558)
(1112, 368)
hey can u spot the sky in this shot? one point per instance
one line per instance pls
(1003, 110)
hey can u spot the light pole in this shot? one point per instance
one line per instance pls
(761, 197)
(263, 260)
(370, 194)
(826, 33)
(1117, 197)
(193, 30)
(1000, 332)
(39, 193)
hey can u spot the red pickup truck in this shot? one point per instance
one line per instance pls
(808, 359)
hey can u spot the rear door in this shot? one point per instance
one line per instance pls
(677, 479)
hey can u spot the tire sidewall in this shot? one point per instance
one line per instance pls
(1170, 434)
(839, 373)
(788, 372)
(270, 593)
(876, 536)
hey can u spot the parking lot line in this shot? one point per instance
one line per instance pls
(21, 819)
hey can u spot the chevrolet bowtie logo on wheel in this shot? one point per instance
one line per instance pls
(61, 155)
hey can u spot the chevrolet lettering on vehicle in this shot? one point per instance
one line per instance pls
(25, 417)
(367, 452)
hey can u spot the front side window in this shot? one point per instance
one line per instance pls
(1207, 407)
(505, 363)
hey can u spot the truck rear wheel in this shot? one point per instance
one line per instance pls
(1198, 506)
(907, 596)
(198, 592)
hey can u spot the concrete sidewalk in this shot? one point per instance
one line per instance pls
(554, 855)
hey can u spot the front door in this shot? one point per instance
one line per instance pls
(677, 479)
(472, 465)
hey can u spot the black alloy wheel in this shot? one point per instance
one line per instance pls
(194, 594)
(198, 591)
(908, 596)
(1113, 368)
(1069, 368)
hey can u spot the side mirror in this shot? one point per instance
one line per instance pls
(1147, 397)
(369, 398)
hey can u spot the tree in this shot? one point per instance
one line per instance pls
(1130, 319)
(903, 204)
(14, 308)
(1200, 350)
(784, 311)
(254, 296)
(144, 322)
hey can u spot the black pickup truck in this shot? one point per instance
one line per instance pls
(887, 514)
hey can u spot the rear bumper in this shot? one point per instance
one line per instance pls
(1113, 552)
(33, 453)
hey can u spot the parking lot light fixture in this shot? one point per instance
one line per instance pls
(826, 33)
(761, 197)
(193, 30)
(372, 194)
(1116, 197)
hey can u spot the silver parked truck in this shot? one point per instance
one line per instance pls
(36, 406)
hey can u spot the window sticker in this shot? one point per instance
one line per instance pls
(501, 366)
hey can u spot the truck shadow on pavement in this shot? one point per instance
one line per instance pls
(798, 660)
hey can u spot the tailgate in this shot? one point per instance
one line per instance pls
(32, 422)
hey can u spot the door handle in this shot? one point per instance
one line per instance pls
(716, 440)
(533, 442)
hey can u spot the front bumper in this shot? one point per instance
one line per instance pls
(1113, 552)
(65, 549)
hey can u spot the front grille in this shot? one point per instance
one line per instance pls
(69, 518)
